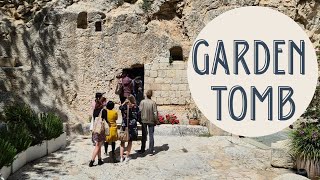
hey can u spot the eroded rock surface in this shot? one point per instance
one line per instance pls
(68, 50)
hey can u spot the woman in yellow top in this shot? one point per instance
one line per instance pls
(112, 116)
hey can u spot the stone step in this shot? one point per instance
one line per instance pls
(280, 156)
(167, 130)
(181, 130)
(290, 176)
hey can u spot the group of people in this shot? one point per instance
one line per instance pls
(134, 109)
(127, 86)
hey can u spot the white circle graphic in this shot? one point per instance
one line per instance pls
(252, 71)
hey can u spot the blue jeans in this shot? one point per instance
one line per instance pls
(145, 128)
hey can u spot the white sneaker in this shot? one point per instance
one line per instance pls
(122, 159)
(127, 159)
(152, 153)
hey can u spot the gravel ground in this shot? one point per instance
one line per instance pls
(218, 157)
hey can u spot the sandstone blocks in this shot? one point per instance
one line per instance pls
(168, 81)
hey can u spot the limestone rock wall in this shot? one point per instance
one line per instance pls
(63, 60)
(305, 12)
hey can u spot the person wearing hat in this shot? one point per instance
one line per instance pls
(98, 96)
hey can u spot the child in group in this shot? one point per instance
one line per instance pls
(112, 117)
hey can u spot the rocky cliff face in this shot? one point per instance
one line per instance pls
(68, 50)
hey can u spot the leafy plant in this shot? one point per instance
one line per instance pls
(52, 125)
(305, 141)
(18, 135)
(18, 113)
(8, 152)
(22, 113)
(193, 113)
(36, 131)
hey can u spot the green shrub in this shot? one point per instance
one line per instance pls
(52, 125)
(8, 152)
(35, 128)
(18, 135)
(18, 113)
(305, 141)
(22, 113)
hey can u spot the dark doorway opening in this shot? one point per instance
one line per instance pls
(98, 26)
(136, 72)
(176, 53)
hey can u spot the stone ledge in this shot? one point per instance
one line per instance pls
(180, 130)
(280, 156)
(168, 130)
(290, 176)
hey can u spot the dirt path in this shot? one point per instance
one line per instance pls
(176, 158)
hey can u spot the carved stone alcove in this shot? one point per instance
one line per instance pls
(82, 20)
(98, 26)
(176, 53)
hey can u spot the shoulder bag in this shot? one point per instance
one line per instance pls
(123, 135)
(100, 126)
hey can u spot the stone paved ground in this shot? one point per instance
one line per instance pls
(176, 158)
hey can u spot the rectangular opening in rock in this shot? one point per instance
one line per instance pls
(98, 26)
(176, 53)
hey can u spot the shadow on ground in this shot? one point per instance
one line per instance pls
(135, 155)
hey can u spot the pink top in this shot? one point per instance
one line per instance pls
(127, 86)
